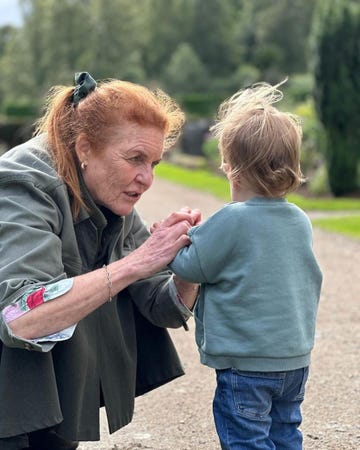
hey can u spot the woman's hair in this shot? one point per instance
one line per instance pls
(260, 143)
(111, 103)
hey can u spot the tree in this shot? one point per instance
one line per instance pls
(337, 90)
(51, 44)
(167, 24)
(138, 40)
(286, 24)
(66, 39)
(118, 36)
(273, 36)
(185, 72)
(213, 36)
(58, 39)
(16, 81)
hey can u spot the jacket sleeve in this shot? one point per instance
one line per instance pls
(30, 246)
(154, 296)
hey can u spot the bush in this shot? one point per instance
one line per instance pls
(244, 76)
(300, 87)
(185, 72)
(211, 152)
(313, 146)
(20, 109)
(14, 133)
(318, 183)
(201, 104)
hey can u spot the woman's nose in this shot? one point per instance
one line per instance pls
(145, 176)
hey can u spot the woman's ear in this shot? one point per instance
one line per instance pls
(82, 148)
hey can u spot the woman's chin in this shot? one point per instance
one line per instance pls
(123, 211)
(123, 208)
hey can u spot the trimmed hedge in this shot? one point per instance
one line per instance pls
(201, 104)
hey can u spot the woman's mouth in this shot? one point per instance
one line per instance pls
(133, 195)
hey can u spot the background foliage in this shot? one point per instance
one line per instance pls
(201, 51)
(183, 45)
(337, 90)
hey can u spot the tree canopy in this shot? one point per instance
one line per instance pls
(337, 90)
(146, 40)
(200, 51)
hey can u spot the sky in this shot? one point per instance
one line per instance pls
(9, 13)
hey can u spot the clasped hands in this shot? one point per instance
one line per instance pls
(168, 236)
(187, 216)
(183, 220)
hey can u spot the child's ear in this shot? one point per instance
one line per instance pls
(226, 167)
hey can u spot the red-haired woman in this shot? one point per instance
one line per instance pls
(84, 297)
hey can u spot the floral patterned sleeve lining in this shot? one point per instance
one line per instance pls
(34, 297)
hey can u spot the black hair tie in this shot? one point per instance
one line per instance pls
(84, 84)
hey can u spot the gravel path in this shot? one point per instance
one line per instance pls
(178, 416)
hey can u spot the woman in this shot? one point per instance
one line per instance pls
(84, 297)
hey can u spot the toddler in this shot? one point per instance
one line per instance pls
(260, 282)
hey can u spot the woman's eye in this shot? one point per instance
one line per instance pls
(155, 163)
(136, 159)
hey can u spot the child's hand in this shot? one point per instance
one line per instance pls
(193, 217)
(194, 213)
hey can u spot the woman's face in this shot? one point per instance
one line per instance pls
(119, 173)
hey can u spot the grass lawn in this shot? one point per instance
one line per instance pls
(218, 186)
(197, 179)
(348, 225)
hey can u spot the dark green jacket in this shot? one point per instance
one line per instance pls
(119, 351)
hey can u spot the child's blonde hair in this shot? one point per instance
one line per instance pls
(260, 143)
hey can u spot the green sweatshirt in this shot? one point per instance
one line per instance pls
(260, 286)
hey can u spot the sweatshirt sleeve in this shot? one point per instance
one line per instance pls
(187, 264)
(207, 255)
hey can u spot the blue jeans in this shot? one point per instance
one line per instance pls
(259, 410)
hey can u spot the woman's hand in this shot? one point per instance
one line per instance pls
(167, 238)
(187, 291)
